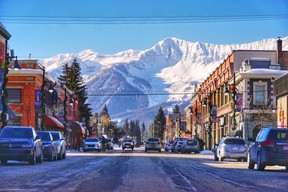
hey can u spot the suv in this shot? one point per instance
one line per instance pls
(61, 144)
(190, 145)
(269, 148)
(231, 147)
(20, 143)
(127, 143)
(49, 146)
(91, 144)
(153, 144)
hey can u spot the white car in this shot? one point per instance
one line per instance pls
(92, 144)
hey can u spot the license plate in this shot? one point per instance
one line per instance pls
(235, 148)
(285, 147)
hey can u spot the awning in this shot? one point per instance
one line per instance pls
(77, 128)
(51, 121)
(9, 111)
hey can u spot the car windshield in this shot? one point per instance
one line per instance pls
(44, 136)
(16, 133)
(153, 140)
(55, 136)
(234, 141)
(91, 140)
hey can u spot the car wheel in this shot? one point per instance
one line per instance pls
(251, 164)
(64, 155)
(159, 151)
(220, 158)
(60, 155)
(40, 158)
(4, 162)
(260, 165)
(51, 157)
(32, 160)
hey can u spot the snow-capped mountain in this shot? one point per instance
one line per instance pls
(132, 83)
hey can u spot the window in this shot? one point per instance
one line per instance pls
(260, 89)
(14, 95)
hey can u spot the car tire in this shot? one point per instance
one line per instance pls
(4, 162)
(59, 155)
(159, 151)
(123, 148)
(64, 155)
(260, 165)
(251, 164)
(40, 158)
(32, 160)
(51, 158)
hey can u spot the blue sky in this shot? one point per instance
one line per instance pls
(47, 28)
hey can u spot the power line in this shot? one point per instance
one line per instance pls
(136, 20)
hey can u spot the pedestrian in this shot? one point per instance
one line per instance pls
(201, 144)
(103, 142)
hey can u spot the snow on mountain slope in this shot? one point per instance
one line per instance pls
(152, 76)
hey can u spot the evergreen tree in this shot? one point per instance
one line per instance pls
(159, 124)
(143, 131)
(74, 82)
(126, 128)
(132, 128)
(137, 133)
(105, 111)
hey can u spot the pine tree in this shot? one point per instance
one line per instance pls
(143, 131)
(126, 128)
(105, 111)
(159, 124)
(74, 82)
(137, 133)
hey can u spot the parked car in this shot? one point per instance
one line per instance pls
(20, 143)
(167, 146)
(61, 144)
(92, 144)
(178, 146)
(127, 143)
(175, 141)
(269, 148)
(153, 144)
(49, 145)
(231, 147)
(190, 145)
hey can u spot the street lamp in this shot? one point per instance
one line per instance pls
(51, 89)
(4, 117)
(233, 89)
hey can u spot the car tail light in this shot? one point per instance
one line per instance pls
(268, 143)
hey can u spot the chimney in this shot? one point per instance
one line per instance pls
(279, 50)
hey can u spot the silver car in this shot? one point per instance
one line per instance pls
(153, 144)
(190, 145)
(92, 144)
(231, 147)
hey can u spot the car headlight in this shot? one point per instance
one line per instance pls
(27, 145)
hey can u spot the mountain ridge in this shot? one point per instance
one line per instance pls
(140, 80)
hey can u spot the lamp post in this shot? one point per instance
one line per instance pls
(210, 123)
(16, 66)
(43, 109)
(233, 89)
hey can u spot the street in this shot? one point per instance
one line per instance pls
(136, 170)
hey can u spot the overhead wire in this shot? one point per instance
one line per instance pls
(136, 20)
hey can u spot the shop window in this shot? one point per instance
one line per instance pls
(14, 95)
(260, 94)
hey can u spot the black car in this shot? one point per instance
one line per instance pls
(269, 148)
(49, 146)
(20, 143)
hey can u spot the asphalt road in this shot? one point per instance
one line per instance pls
(136, 170)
